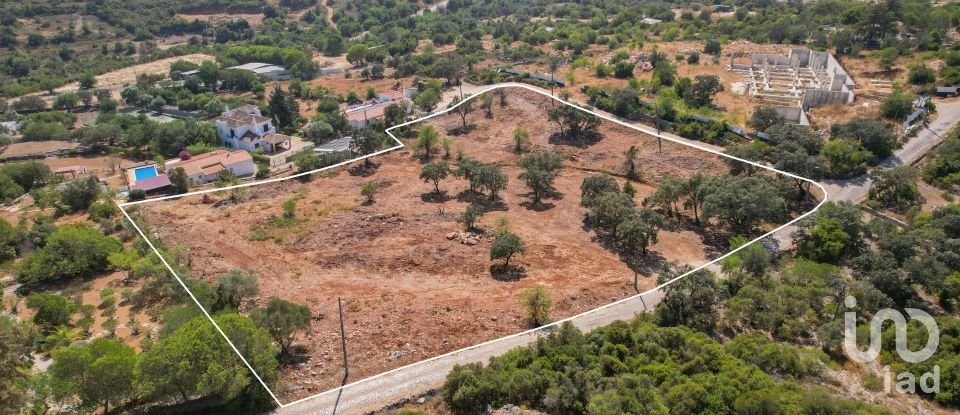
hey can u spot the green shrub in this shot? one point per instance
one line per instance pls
(72, 251)
(102, 210)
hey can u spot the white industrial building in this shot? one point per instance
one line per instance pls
(269, 71)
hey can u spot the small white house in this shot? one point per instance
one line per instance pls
(205, 168)
(362, 115)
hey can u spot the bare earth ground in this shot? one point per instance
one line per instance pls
(104, 167)
(129, 74)
(410, 293)
(35, 147)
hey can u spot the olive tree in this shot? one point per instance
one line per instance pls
(282, 319)
(743, 202)
(435, 172)
(505, 246)
(235, 286)
(540, 172)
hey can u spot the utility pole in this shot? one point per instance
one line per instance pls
(343, 342)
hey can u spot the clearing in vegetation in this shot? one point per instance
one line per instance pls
(428, 261)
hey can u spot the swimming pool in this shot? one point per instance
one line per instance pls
(144, 172)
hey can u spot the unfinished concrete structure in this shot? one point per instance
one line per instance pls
(801, 80)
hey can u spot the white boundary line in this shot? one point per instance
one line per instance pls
(641, 128)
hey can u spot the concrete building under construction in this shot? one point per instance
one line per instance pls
(795, 83)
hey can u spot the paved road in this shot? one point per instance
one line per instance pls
(855, 190)
(404, 383)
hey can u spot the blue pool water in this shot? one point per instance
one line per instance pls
(144, 172)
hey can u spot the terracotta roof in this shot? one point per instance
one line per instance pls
(212, 169)
(152, 183)
(212, 162)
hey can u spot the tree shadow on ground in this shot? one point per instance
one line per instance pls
(646, 265)
(716, 240)
(461, 130)
(542, 206)
(511, 272)
(365, 169)
(584, 140)
(297, 354)
(482, 201)
(537, 207)
(436, 197)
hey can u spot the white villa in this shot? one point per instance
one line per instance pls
(244, 128)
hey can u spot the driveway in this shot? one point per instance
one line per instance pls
(406, 382)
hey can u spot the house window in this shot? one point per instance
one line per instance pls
(232, 133)
(266, 127)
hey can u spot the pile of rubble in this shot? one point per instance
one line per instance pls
(466, 238)
(642, 59)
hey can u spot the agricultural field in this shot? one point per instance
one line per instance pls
(404, 266)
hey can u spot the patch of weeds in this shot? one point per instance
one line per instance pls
(353, 306)
(259, 234)
(872, 382)
(275, 228)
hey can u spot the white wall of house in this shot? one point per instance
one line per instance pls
(247, 168)
(231, 136)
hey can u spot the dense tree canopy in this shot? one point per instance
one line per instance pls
(72, 251)
(212, 367)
